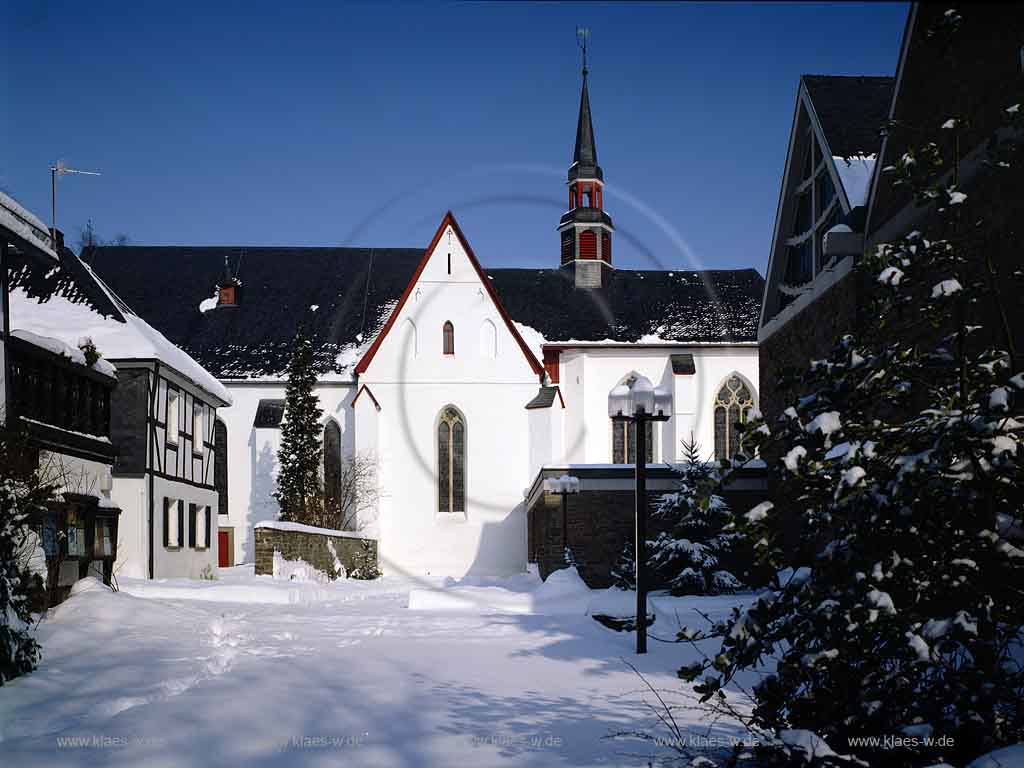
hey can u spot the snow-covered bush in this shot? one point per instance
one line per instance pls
(365, 562)
(690, 559)
(902, 470)
(21, 491)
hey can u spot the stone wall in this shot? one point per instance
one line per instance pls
(308, 546)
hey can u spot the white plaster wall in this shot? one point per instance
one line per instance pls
(490, 381)
(588, 376)
(186, 562)
(491, 537)
(252, 455)
(129, 493)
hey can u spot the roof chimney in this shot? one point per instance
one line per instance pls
(227, 287)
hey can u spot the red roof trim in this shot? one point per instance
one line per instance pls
(449, 219)
(367, 390)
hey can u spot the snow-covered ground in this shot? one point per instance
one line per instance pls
(247, 670)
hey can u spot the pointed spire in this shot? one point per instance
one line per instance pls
(586, 150)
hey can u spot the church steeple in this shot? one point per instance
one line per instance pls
(585, 229)
(584, 156)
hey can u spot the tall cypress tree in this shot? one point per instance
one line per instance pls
(298, 478)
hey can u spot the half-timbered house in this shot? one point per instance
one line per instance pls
(158, 422)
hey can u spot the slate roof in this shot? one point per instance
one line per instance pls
(357, 288)
(851, 110)
(544, 398)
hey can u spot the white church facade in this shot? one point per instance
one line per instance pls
(460, 383)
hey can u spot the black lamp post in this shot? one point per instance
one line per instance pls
(563, 486)
(638, 403)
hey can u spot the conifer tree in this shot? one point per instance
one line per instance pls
(903, 614)
(299, 490)
(689, 559)
(21, 490)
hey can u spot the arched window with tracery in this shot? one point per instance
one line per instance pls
(448, 338)
(220, 465)
(733, 405)
(451, 461)
(332, 467)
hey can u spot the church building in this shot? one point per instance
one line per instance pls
(462, 383)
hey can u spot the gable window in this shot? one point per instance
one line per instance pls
(451, 462)
(448, 338)
(733, 405)
(624, 441)
(172, 416)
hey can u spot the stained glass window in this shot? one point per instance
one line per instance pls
(732, 407)
(451, 461)
(624, 441)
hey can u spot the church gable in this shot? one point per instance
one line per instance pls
(449, 321)
(833, 144)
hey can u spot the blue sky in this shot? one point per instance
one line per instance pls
(320, 124)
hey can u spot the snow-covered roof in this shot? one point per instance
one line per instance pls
(24, 224)
(66, 302)
(356, 289)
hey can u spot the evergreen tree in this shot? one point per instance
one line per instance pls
(21, 490)
(903, 472)
(299, 487)
(689, 559)
(365, 564)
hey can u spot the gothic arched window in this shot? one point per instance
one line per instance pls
(451, 461)
(624, 435)
(332, 467)
(733, 405)
(448, 338)
(220, 465)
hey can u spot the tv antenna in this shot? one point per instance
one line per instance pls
(59, 170)
(583, 41)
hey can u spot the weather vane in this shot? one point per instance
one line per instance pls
(583, 40)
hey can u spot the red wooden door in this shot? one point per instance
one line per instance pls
(222, 549)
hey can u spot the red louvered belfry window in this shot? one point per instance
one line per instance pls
(588, 245)
(606, 247)
(449, 338)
